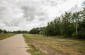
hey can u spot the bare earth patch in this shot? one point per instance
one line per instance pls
(13, 46)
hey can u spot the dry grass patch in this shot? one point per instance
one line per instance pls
(56, 45)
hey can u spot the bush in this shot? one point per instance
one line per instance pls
(81, 35)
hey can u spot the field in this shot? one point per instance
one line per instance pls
(3, 36)
(54, 45)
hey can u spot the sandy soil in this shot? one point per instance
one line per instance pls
(13, 46)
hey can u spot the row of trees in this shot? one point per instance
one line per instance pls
(69, 25)
(3, 31)
(19, 31)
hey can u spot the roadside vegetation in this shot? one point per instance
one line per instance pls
(65, 35)
(70, 25)
(54, 45)
(30, 42)
(5, 35)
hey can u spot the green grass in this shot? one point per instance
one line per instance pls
(3, 36)
(33, 50)
(42, 45)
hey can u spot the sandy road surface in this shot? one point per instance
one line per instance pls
(14, 45)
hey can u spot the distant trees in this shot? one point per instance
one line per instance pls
(19, 31)
(3, 31)
(68, 25)
(37, 30)
(53, 28)
(34, 31)
(0, 31)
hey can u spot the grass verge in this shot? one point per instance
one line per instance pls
(3, 36)
(42, 45)
(33, 50)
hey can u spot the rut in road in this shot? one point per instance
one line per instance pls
(14, 45)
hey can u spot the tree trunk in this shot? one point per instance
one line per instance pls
(76, 28)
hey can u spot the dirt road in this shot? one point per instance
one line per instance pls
(13, 46)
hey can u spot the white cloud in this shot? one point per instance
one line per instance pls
(26, 14)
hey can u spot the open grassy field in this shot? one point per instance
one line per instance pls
(3, 36)
(42, 45)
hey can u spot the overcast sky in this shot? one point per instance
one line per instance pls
(27, 14)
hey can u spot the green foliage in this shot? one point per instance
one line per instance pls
(35, 31)
(19, 31)
(3, 31)
(68, 25)
(0, 31)
(53, 28)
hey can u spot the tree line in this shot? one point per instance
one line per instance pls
(71, 24)
(19, 31)
(3, 31)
